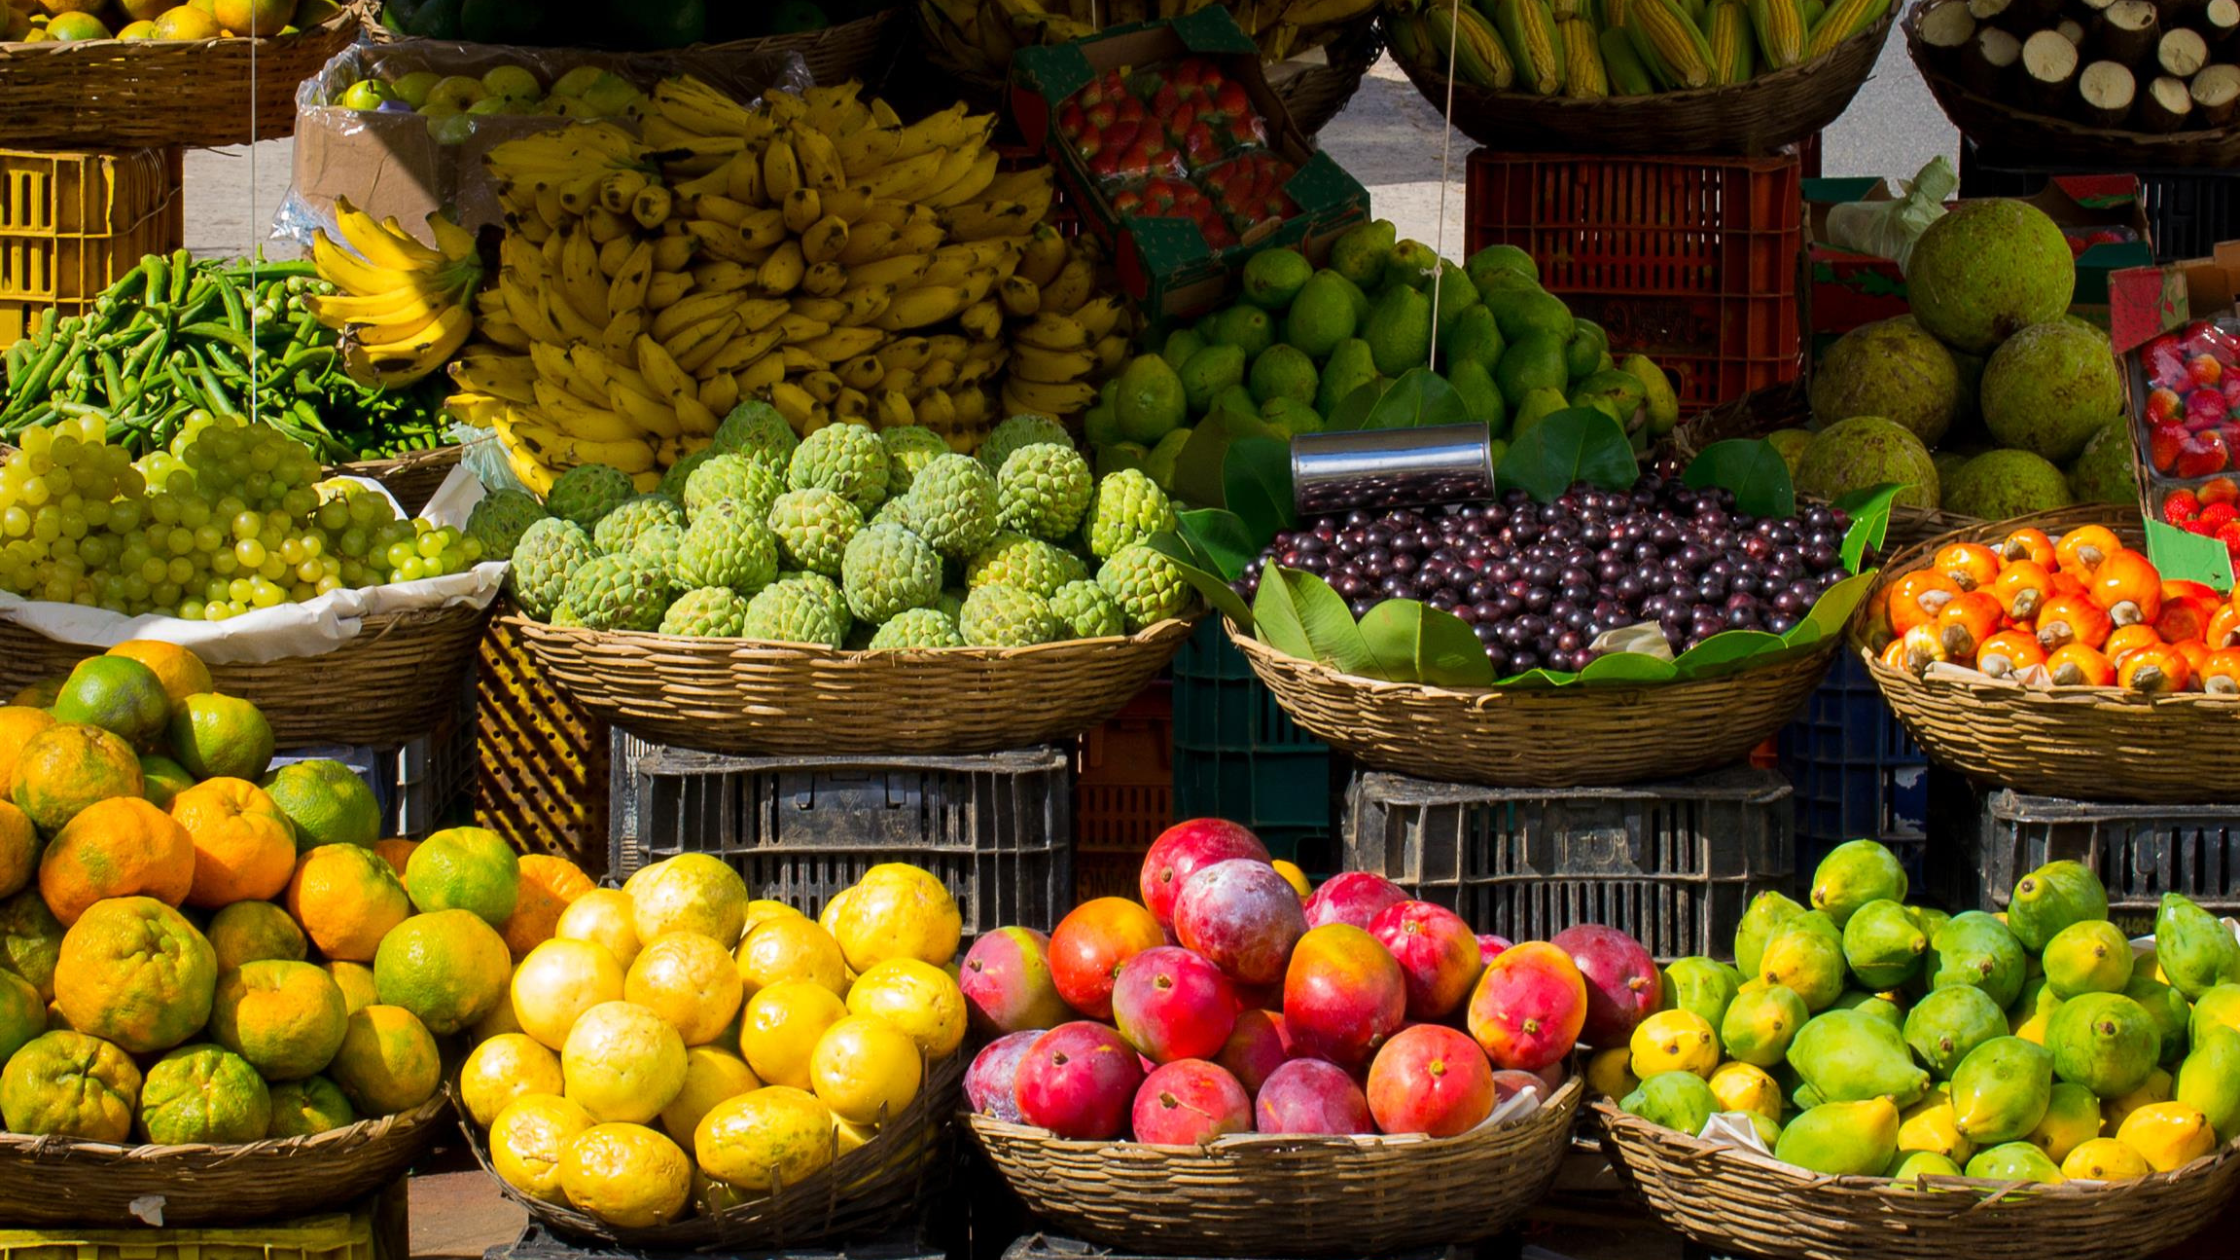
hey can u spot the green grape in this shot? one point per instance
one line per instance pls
(249, 552)
(190, 610)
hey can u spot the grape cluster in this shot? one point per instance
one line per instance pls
(1539, 582)
(229, 517)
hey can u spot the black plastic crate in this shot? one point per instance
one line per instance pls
(2188, 210)
(1988, 839)
(1854, 770)
(997, 829)
(538, 1243)
(1239, 756)
(1674, 863)
(1047, 1247)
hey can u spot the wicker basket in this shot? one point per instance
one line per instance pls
(1787, 407)
(1751, 119)
(1999, 127)
(836, 54)
(2104, 742)
(411, 479)
(1737, 1201)
(1581, 736)
(119, 94)
(395, 681)
(778, 699)
(51, 1181)
(864, 1194)
(1287, 1194)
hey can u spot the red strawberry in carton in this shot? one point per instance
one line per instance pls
(2206, 369)
(2165, 361)
(1233, 102)
(2229, 535)
(2202, 337)
(2203, 453)
(1105, 164)
(2164, 441)
(2180, 506)
(2166, 406)
(2107, 236)
(2206, 409)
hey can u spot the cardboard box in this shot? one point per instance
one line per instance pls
(1167, 264)
(2145, 302)
(389, 163)
(1844, 290)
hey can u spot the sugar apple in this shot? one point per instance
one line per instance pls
(918, 628)
(893, 512)
(1086, 611)
(950, 602)
(1028, 563)
(499, 520)
(728, 545)
(825, 587)
(619, 593)
(549, 551)
(1127, 508)
(1147, 586)
(953, 506)
(566, 617)
(813, 528)
(618, 531)
(1043, 490)
(792, 612)
(1006, 616)
(1024, 429)
(587, 492)
(909, 448)
(847, 459)
(889, 569)
(732, 477)
(660, 545)
(673, 481)
(757, 431)
(711, 612)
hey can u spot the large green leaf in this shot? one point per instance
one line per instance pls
(1390, 631)
(1200, 570)
(1627, 668)
(1198, 466)
(1540, 678)
(1419, 643)
(1726, 652)
(1869, 510)
(1832, 610)
(1221, 537)
(1419, 399)
(1577, 444)
(1310, 621)
(1256, 477)
(1753, 470)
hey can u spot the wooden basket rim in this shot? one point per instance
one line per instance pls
(204, 1157)
(408, 462)
(347, 17)
(777, 652)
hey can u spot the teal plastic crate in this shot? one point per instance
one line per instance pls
(1237, 755)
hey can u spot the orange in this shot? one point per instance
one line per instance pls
(549, 885)
(692, 892)
(23, 1014)
(116, 694)
(285, 1018)
(18, 723)
(782, 1027)
(626, 1175)
(765, 1139)
(558, 982)
(711, 1075)
(465, 868)
(528, 1138)
(254, 17)
(30, 940)
(40, 694)
(347, 899)
(449, 968)
(603, 916)
(162, 779)
(252, 931)
(918, 999)
(356, 982)
(135, 972)
(327, 802)
(68, 767)
(123, 847)
(77, 26)
(145, 11)
(865, 1070)
(623, 1062)
(309, 1106)
(387, 1062)
(19, 849)
(502, 1069)
(790, 948)
(204, 1094)
(187, 23)
(244, 849)
(70, 1084)
(221, 736)
(396, 852)
(688, 980)
(181, 672)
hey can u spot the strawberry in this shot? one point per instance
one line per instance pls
(1104, 163)
(2106, 236)
(2198, 527)
(1101, 115)
(2180, 506)
(2203, 452)
(2163, 442)
(2220, 490)
(2219, 515)
(2230, 537)
(1233, 101)
(2165, 360)
(2165, 406)
(2205, 409)
(2205, 369)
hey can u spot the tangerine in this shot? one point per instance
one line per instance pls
(286, 1018)
(67, 767)
(221, 737)
(120, 847)
(117, 694)
(549, 885)
(347, 899)
(387, 1062)
(244, 849)
(181, 672)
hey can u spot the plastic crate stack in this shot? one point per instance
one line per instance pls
(1123, 794)
(1855, 772)
(72, 224)
(2188, 210)
(1691, 261)
(1238, 756)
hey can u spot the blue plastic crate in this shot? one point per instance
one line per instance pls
(1854, 769)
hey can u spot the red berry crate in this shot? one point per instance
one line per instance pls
(1691, 261)
(1123, 793)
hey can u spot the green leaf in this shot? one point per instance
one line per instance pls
(1540, 678)
(1201, 571)
(1869, 510)
(1221, 537)
(1312, 622)
(1275, 615)
(1577, 444)
(1391, 630)
(1352, 411)
(1832, 611)
(1419, 399)
(1753, 470)
(1256, 477)
(1627, 667)
(1726, 652)
(1198, 466)
(1448, 653)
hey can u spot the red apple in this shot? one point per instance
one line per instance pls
(1243, 916)
(1188, 1103)
(1078, 1080)
(1186, 848)
(1430, 1079)
(1171, 1004)
(1089, 945)
(1356, 897)
(1437, 953)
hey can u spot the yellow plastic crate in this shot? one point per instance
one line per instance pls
(541, 760)
(71, 224)
(332, 1237)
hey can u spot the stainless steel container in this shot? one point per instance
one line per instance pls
(1391, 468)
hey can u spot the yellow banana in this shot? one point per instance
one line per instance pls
(781, 170)
(982, 319)
(719, 394)
(757, 377)
(382, 246)
(821, 166)
(664, 289)
(825, 239)
(1051, 367)
(1051, 331)
(674, 253)
(802, 208)
(868, 243)
(744, 349)
(628, 290)
(1049, 400)
(863, 372)
(844, 343)
(1020, 297)
(783, 272)
(661, 370)
(1044, 256)
(695, 309)
(916, 308)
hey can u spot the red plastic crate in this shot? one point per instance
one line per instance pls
(1123, 794)
(1691, 261)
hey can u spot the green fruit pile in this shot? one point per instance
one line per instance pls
(850, 537)
(1300, 341)
(1867, 1037)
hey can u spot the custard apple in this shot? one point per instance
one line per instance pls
(1043, 490)
(732, 477)
(918, 628)
(566, 617)
(813, 528)
(825, 587)
(549, 551)
(660, 545)
(499, 520)
(757, 431)
(1147, 586)
(909, 448)
(617, 531)
(889, 569)
(847, 459)
(1024, 429)
(1028, 563)
(711, 612)
(728, 545)
(950, 602)
(619, 593)
(953, 506)
(1086, 611)
(792, 612)
(674, 479)
(893, 512)
(587, 492)
(1127, 508)
(1006, 616)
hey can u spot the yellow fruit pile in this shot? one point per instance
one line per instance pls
(675, 1047)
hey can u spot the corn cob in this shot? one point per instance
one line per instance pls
(1671, 45)
(1563, 10)
(1844, 19)
(1583, 77)
(1781, 35)
(1811, 11)
(1613, 18)
(1409, 38)
(1730, 43)
(1622, 66)
(1478, 56)
(1534, 44)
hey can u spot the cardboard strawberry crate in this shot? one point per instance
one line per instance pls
(1169, 264)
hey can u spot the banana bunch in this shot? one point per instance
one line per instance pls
(982, 34)
(1068, 332)
(402, 307)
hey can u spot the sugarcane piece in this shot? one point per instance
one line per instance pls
(2071, 30)
(2220, 21)
(2182, 53)
(1947, 29)
(2106, 91)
